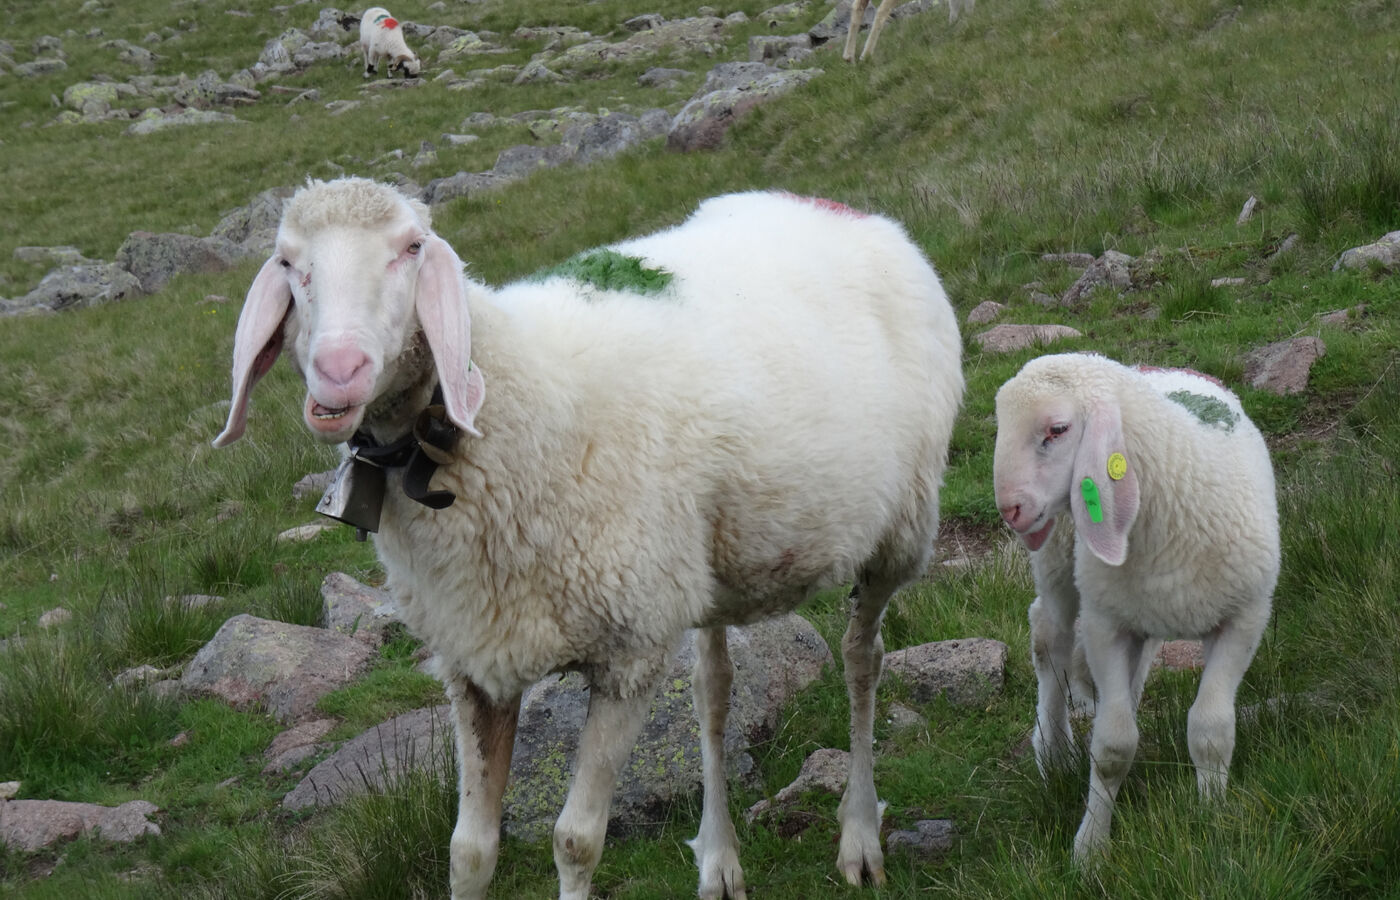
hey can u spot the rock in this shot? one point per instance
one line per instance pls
(1180, 656)
(296, 745)
(524, 159)
(1111, 269)
(287, 667)
(1010, 338)
(92, 98)
(316, 51)
(613, 133)
(729, 92)
(9, 790)
(40, 67)
(156, 258)
(194, 601)
(966, 672)
(303, 533)
(770, 48)
(49, 44)
(1383, 254)
(1342, 316)
(341, 107)
(786, 12)
(1283, 367)
(254, 227)
(133, 54)
(1285, 248)
(824, 771)
(53, 256)
(29, 825)
(155, 120)
(1073, 260)
(647, 22)
(463, 184)
(55, 617)
(358, 610)
(661, 77)
(536, 72)
(901, 717)
(90, 284)
(1228, 282)
(1247, 211)
(460, 140)
(313, 485)
(772, 661)
(930, 839)
(137, 676)
(984, 312)
(328, 25)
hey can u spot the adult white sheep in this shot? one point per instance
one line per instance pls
(882, 15)
(1170, 493)
(693, 429)
(381, 40)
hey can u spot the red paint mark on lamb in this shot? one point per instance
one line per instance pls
(1211, 378)
(834, 206)
(391, 22)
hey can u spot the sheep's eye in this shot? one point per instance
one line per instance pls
(285, 264)
(1053, 432)
(414, 247)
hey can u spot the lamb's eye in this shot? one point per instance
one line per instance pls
(284, 264)
(1058, 430)
(414, 247)
(1053, 432)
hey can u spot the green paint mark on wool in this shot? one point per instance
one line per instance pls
(609, 270)
(1210, 410)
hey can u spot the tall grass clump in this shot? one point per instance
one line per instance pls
(1352, 175)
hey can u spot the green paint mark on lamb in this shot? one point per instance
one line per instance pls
(1209, 410)
(609, 270)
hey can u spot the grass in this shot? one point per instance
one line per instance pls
(1025, 129)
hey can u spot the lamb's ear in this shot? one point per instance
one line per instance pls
(256, 342)
(441, 305)
(1104, 492)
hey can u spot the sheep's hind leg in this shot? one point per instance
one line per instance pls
(608, 736)
(1210, 726)
(485, 739)
(882, 15)
(1052, 656)
(863, 650)
(716, 846)
(1114, 659)
(853, 30)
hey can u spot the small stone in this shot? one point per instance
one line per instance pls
(824, 771)
(1289, 243)
(901, 717)
(135, 677)
(56, 616)
(1283, 367)
(1247, 211)
(984, 312)
(303, 533)
(9, 790)
(1228, 282)
(930, 839)
(1009, 338)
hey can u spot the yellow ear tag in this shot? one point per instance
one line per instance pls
(1117, 466)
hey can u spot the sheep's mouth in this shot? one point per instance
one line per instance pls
(330, 420)
(1034, 540)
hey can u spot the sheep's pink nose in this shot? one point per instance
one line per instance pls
(340, 365)
(1010, 514)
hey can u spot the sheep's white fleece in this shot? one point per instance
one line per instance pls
(382, 40)
(1200, 547)
(774, 421)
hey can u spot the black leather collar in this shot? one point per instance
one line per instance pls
(419, 453)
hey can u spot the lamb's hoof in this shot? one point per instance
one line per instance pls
(861, 862)
(720, 873)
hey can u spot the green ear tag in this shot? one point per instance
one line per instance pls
(1091, 500)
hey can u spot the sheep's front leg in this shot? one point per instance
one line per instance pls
(485, 739)
(863, 651)
(1210, 726)
(608, 736)
(1114, 657)
(881, 16)
(853, 32)
(716, 846)
(1052, 655)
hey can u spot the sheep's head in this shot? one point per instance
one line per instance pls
(1060, 447)
(356, 275)
(408, 66)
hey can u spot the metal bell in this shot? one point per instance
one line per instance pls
(356, 495)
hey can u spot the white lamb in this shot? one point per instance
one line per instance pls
(1169, 491)
(689, 430)
(882, 14)
(381, 40)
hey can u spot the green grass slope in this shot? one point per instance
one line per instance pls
(1028, 127)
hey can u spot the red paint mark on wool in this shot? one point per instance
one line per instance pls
(391, 23)
(1211, 378)
(834, 206)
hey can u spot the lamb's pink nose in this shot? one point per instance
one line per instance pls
(1010, 514)
(340, 365)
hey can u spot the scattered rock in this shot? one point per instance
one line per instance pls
(313, 485)
(156, 258)
(1342, 316)
(966, 672)
(52, 256)
(930, 839)
(1283, 367)
(1248, 210)
(729, 92)
(1383, 254)
(135, 677)
(358, 610)
(254, 227)
(984, 312)
(303, 533)
(1111, 269)
(772, 48)
(287, 667)
(824, 771)
(660, 77)
(296, 745)
(1289, 243)
(463, 184)
(1228, 282)
(901, 717)
(1073, 260)
(154, 120)
(40, 67)
(29, 825)
(55, 617)
(89, 284)
(1180, 656)
(9, 790)
(1009, 338)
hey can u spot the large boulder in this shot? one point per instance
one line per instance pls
(254, 227)
(156, 258)
(1010, 338)
(88, 284)
(358, 610)
(286, 667)
(730, 91)
(29, 825)
(773, 660)
(1283, 367)
(965, 672)
(1383, 254)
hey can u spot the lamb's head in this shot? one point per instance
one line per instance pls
(408, 66)
(356, 276)
(1060, 447)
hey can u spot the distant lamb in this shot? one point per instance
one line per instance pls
(689, 430)
(882, 14)
(381, 40)
(1146, 498)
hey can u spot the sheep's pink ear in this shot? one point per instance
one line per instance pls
(1104, 493)
(256, 342)
(442, 311)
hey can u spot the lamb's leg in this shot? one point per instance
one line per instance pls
(716, 846)
(1114, 656)
(1210, 726)
(881, 16)
(853, 32)
(485, 738)
(863, 651)
(608, 736)
(1052, 655)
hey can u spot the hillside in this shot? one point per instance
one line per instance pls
(1017, 146)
